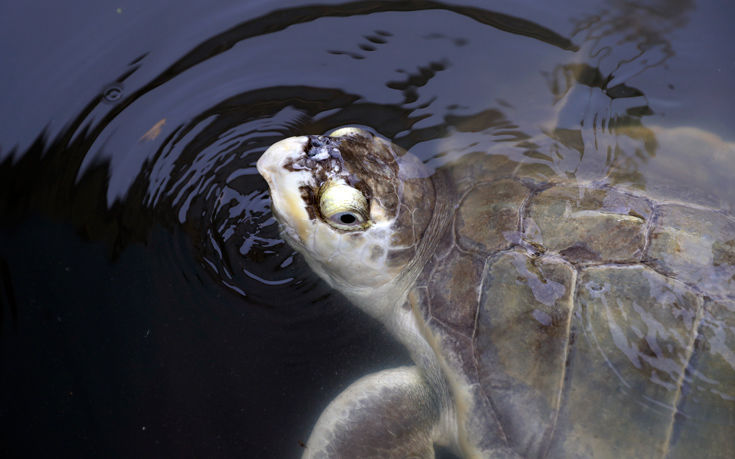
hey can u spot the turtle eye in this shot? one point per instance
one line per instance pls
(343, 206)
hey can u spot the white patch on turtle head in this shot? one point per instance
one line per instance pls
(285, 185)
(350, 260)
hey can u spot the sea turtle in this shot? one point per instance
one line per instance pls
(547, 316)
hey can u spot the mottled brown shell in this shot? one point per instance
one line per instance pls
(588, 321)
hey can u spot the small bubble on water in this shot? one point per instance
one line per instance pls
(112, 93)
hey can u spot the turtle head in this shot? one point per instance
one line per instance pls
(355, 205)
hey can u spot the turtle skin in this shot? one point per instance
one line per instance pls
(577, 319)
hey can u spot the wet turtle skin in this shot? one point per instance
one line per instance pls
(548, 315)
(583, 320)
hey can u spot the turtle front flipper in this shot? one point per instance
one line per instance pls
(389, 414)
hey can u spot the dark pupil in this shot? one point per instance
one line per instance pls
(347, 219)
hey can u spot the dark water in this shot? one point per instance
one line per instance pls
(149, 307)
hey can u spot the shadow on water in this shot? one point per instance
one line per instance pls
(149, 306)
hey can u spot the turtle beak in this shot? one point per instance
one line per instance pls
(271, 164)
(284, 183)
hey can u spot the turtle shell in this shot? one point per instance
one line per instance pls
(577, 319)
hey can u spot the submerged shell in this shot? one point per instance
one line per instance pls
(583, 320)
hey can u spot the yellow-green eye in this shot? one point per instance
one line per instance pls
(343, 207)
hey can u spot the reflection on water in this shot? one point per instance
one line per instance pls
(172, 126)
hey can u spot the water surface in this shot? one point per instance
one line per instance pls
(149, 306)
